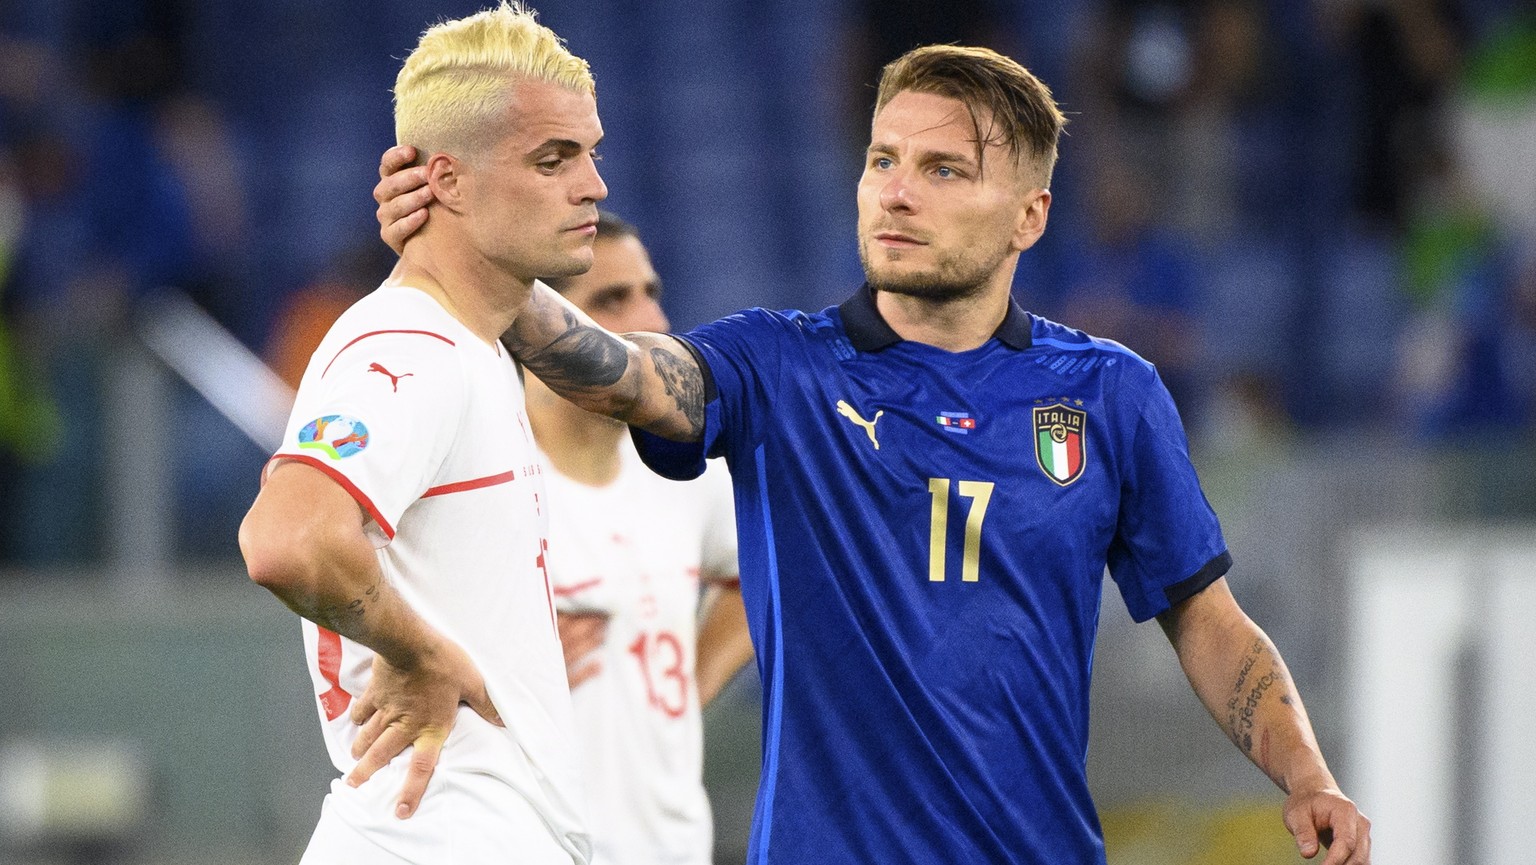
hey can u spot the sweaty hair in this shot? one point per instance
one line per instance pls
(610, 226)
(1017, 108)
(454, 87)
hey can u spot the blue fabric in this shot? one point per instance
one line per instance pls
(911, 715)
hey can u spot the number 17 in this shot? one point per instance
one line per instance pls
(980, 493)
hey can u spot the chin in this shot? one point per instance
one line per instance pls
(921, 284)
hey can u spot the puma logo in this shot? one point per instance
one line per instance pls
(394, 380)
(848, 412)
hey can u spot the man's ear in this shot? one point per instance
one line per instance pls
(445, 174)
(1033, 214)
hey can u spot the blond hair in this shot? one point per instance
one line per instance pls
(454, 87)
(1020, 112)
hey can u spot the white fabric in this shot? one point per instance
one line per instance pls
(455, 485)
(634, 549)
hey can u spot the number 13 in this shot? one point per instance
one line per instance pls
(980, 493)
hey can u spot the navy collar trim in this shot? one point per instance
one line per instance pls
(868, 330)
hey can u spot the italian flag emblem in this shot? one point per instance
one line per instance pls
(1059, 446)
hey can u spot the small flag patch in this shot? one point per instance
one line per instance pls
(956, 422)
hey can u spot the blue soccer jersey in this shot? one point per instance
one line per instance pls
(923, 538)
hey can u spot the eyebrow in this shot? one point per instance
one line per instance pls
(930, 156)
(561, 146)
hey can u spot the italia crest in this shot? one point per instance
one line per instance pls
(1060, 445)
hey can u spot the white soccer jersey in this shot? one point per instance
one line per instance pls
(634, 549)
(424, 424)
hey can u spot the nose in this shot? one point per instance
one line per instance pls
(896, 195)
(591, 188)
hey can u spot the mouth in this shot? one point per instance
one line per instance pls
(586, 227)
(897, 240)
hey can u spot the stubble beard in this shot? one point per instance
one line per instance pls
(954, 276)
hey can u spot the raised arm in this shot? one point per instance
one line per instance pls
(649, 380)
(303, 541)
(1243, 682)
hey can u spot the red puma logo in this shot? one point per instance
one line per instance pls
(394, 380)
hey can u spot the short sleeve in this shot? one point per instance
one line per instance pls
(719, 553)
(1168, 543)
(740, 356)
(380, 420)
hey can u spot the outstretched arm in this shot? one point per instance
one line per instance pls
(646, 379)
(303, 541)
(1243, 682)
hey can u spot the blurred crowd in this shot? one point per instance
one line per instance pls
(1317, 217)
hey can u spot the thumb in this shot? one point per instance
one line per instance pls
(480, 700)
(1299, 822)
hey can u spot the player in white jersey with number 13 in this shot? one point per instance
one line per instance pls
(405, 515)
(629, 551)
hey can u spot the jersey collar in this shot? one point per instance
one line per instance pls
(868, 331)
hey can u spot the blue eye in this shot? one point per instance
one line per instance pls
(945, 171)
(883, 163)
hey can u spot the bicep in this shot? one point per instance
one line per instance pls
(296, 495)
(301, 516)
(672, 393)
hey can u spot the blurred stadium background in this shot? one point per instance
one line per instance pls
(1318, 217)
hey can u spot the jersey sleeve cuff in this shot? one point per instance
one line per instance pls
(1193, 585)
(341, 480)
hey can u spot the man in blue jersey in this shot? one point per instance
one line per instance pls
(930, 482)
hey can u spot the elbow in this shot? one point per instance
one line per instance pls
(273, 555)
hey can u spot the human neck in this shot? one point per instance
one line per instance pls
(474, 290)
(951, 323)
(580, 445)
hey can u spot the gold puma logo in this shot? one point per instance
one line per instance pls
(848, 412)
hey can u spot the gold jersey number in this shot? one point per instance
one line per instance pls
(980, 493)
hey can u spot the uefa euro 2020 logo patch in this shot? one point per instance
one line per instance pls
(337, 436)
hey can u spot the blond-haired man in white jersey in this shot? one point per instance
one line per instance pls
(404, 516)
(628, 551)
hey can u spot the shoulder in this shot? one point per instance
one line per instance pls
(1050, 338)
(394, 320)
(766, 323)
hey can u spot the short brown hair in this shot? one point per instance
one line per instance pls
(1021, 113)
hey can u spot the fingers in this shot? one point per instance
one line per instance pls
(370, 733)
(1300, 825)
(423, 763)
(396, 158)
(363, 708)
(388, 745)
(1351, 841)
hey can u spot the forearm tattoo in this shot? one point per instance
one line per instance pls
(1247, 692)
(341, 618)
(684, 383)
(579, 358)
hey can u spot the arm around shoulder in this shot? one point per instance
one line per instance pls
(650, 380)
